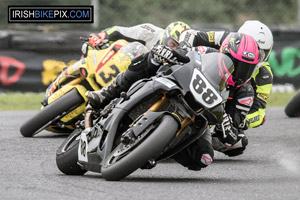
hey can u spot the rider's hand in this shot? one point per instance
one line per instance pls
(180, 55)
(98, 40)
(244, 125)
(161, 54)
(226, 132)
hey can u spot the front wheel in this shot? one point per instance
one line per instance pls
(292, 109)
(45, 116)
(125, 159)
(67, 155)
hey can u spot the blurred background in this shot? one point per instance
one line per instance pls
(161, 13)
(33, 54)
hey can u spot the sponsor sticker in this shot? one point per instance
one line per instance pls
(262, 96)
(206, 159)
(246, 101)
(211, 36)
(166, 82)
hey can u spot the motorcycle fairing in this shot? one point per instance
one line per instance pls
(108, 130)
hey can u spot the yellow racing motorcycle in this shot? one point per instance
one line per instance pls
(65, 99)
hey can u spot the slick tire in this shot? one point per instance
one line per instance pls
(67, 155)
(292, 109)
(150, 148)
(40, 121)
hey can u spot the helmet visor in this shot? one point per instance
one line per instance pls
(243, 71)
(170, 42)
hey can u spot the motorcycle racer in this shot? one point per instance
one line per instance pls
(261, 80)
(147, 34)
(200, 153)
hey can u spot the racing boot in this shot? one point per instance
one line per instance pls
(100, 98)
(139, 68)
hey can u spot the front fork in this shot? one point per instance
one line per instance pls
(184, 120)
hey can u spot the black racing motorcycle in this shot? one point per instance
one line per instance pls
(152, 121)
(292, 109)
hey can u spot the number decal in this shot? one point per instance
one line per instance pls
(203, 91)
(209, 96)
(108, 77)
(198, 84)
(83, 147)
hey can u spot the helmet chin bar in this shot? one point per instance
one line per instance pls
(236, 83)
(240, 83)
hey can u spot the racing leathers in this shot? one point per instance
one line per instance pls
(147, 34)
(261, 81)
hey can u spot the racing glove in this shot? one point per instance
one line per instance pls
(161, 54)
(244, 125)
(257, 118)
(98, 40)
(226, 132)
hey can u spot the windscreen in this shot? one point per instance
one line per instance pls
(134, 49)
(217, 68)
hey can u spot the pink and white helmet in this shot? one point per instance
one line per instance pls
(244, 52)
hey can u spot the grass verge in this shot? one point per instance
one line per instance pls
(280, 99)
(32, 101)
(21, 101)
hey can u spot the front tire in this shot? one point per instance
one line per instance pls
(47, 114)
(67, 155)
(115, 168)
(292, 109)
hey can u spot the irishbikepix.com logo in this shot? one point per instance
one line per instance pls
(50, 14)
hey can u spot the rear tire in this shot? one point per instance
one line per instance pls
(148, 149)
(292, 109)
(43, 117)
(67, 155)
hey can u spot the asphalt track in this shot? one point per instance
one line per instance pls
(269, 169)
